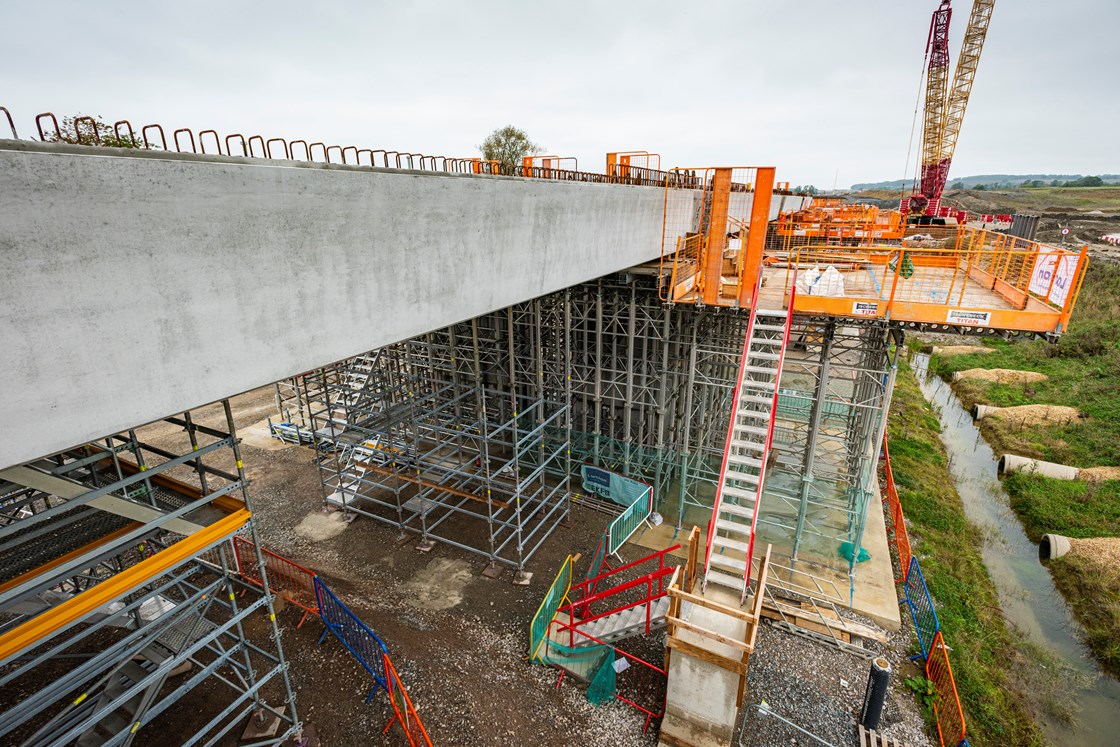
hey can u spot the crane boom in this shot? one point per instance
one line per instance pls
(965, 73)
(937, 83)
(945, 105)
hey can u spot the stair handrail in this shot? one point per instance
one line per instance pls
(591, 582)
(648, 600)
(731, 428)
(769, 429)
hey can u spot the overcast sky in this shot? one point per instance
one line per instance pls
(822, 89)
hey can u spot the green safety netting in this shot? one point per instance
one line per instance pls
(592, 663)
(846, 551)
(602, 687)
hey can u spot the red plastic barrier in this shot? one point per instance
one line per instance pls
(289, 580)
(947, 708)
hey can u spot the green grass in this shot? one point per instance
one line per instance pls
(1084, 371)
(991, 666)
(1095, 599)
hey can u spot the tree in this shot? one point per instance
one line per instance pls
(957, 185)
(85, 130)
(1086, 181)
(508, 145)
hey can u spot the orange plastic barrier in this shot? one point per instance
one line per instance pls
(896, 522)
(403, 710)
(947, 708)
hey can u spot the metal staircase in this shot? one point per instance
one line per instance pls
(637, 620)
(747, 452)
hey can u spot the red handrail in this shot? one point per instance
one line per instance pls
(660, 555)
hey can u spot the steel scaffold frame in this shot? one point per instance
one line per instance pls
(158, 583)
(650, 394)
(465, 424)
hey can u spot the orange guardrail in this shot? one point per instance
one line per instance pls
(896, 523)
(286, 578)
(971, 277)
(947, 706)
(404, 712)
(37, 628)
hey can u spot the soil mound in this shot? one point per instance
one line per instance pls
(1099, 474)
(1000, 375)
(960, 349)
(1104, 552)
(1037, 415)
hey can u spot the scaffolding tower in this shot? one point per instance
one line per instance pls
(460, 434)
(120, 605)
(449, 423)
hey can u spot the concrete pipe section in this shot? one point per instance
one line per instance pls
(1009, 463)
(1053, 546)
(982, 411)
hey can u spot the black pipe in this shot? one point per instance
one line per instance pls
(876, 695)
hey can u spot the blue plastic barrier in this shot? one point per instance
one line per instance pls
(355, 635)
(921, 607)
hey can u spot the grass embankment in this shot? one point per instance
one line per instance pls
(1084, 371)
(988, 660)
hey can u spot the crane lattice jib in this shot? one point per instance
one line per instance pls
(937, 84)
(962, 84)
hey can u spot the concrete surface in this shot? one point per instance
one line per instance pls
(700, 697)
(140, 284)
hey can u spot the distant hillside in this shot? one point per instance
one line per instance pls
(1002, 180)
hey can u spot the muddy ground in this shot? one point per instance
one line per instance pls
(459, 640)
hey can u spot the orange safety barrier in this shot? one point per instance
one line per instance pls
(404, 712)
(287, 579)
(947, 707)
(967, 277)
(896, 522)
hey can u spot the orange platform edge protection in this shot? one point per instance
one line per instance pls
(19, 639)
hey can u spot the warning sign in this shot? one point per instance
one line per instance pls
(861, 308)
(971, 318)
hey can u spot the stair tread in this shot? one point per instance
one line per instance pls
(733, 526)
(740, 493)
(739, 459)
(745, 512)
(725, 579)
(731, 544)
(730, 561)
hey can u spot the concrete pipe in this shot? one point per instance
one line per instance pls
(983, 411)
(1009, 463)
(1053, 546)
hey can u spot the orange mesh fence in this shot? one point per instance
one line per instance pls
(947, 707)
(897, 535)
(286, 579)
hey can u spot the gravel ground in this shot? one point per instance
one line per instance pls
(820, 688)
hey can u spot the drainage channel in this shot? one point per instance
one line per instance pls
(1026, 591)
